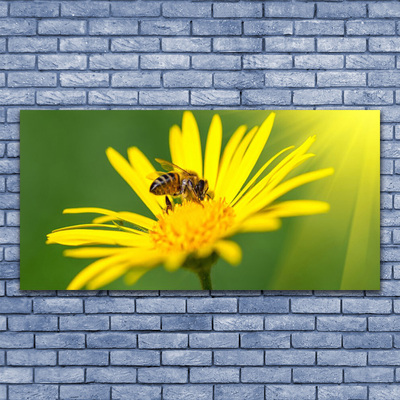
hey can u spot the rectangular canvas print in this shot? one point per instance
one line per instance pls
(192, 200)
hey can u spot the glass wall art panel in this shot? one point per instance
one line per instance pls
(191, 200)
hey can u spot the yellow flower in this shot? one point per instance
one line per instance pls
(193, 235)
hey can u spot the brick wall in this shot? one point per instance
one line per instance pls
(194, 345)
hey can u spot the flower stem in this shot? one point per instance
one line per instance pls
(202, 268)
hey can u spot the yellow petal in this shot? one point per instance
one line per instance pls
(260, 223)
(135, 219)
(78, 237)
(174, 261)
(229, 150)
(144, 168)
(122, 166)
(213, 150)
(94, 252)
(229, 251)
(264, 199)
(295, 208)
(93, 226)
(134, 275)
(191, 143)
(227, 186)
(258, 174)
(250, 157)
(176, 146)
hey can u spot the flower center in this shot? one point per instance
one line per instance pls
(191, 225)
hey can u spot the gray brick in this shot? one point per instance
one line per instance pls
(113, 27)
(270, 27)
(164, 61)
(286, 45)
(319, 340)
(242, 323)
(111, 375)
(384, 10)
(135, 44)
(317, 375)
(384, 357)
(238, 10)
(36, 9)
(129, 9)
(31, 357)
(109, 96)
(325, 306)
(32, 323)
(111, 340)
(368, 97)
(212, 305)
(187, 323)
(235, 392)
(346, 10)
(179, 392)
(61, 27)
(114, 61)
(365, 27)
(262, 340)
(162, 375)
(109, 306)
(289, 357)
(288, 10)
(194, 45)
(137, 79)
(181, 9)
(86, 9)
(136, 392)
(215, 62)
(87, 45)
(17, 26)
(84, 323)
(157, 98)
(341, 45)
(98, 392)
(32, 45)
(186, 357)
(16, 340)
(135, 357)
(216, 27)
(341, 323)
(265, 96)
(39, 392)
(318, 27)
(384, 78)
(367, 306)
(61, 97)
(342, 78)
(342, 358)
(186, 79)
(165, 27)
(267, 61)
(32, 79)
(237, 45)
(9, 132)
(319, 61)
(290, 392)
(238, 357)
(369, 61)
(83, 357)
(343, 392)
(289, 323)
(83, 79)
(16, 375)
(61, 61)
(60, 340)
(264, 375)
(370, 375)
(214, 375)
(217, 97)
(214, 340)
(263, 305)
(289, 79)
(367, 341)
(317, 96)
(387, 44)
(59, 375)
(135, 322)
(386, 323)
(17, 61)
(163, 340)
(15, 305)
(57, 306)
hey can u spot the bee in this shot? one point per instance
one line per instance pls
(178, 182)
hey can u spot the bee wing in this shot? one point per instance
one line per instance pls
(169, 166)
(154, 175)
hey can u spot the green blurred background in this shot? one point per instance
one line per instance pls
(63, 164)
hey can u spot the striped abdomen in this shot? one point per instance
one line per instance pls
(166, 184)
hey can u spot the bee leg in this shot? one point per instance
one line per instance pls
(193, 194)
(169, 204)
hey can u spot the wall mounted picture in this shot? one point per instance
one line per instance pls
(200, 200)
